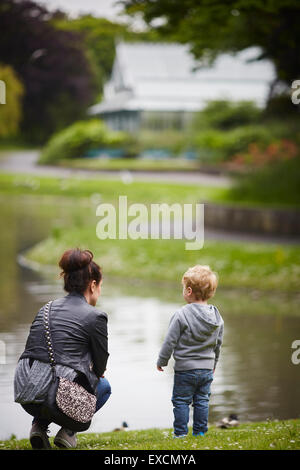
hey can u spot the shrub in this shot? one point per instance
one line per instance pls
(223, 114)
(171, 140)
(276, 151)
(277, 183)
(285, 129)
(83, 136)
(217, 145)
(280, 106)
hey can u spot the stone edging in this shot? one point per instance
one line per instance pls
(252, 219)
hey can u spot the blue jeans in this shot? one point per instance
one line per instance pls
(103, 393)
(191, 387)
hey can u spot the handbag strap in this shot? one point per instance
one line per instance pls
(47, 310)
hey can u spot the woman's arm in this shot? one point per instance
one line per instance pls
(99, 345)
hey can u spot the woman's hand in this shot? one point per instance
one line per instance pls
(159, 368)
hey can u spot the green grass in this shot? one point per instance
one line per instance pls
(249, 265)
(109, 190)
(260, 266)
(268, 435)
(136, 191)
(143, 164)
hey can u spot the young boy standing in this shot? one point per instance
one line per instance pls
(194, 336)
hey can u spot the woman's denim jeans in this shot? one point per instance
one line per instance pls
(191, 387)
(103, 392)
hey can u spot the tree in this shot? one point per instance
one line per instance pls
(52, 64)
(11, 111)
(215, 26)
(99, 36)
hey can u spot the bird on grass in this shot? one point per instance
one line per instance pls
(124, 427)
(230, 422)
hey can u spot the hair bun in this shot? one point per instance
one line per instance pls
(73, 260)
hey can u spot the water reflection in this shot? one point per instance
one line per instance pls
(255, 377)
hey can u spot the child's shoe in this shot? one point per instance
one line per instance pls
(199, 434)
(180, 436)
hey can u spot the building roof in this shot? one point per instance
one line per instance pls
(166, 77)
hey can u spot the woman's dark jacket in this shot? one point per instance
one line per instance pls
(79, 337)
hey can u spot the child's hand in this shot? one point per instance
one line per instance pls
(160, 368)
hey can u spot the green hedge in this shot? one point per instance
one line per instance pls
(171, 140)
(279, 182)
(224, 114)
(82, 137)
(214, 144)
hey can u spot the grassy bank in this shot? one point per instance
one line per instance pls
(261, 266)
(269, 435)
(136, 191)
(109, 190)
(134, 164)
(250, 265)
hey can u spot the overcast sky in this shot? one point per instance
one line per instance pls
(103, 8)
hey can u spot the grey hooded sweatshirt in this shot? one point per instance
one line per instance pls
(194, 336)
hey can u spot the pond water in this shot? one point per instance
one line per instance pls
(255, 377)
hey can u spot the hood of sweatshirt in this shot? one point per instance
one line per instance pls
(202, 319)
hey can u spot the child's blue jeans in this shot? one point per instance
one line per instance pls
(191, 387)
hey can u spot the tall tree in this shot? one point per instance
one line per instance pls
(11, 111)
(214, 26)
(52, 65)
(99, 36)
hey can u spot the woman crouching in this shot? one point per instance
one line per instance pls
(76, 337)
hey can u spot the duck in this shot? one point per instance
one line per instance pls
(123, 427)
(229, 422)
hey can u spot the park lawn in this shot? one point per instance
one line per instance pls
(262, 266)
(134, 164)
(267, 435)
(242, 265)
(109, 190)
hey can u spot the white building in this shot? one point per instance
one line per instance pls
(160, 85)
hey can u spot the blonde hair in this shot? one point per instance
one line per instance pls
(202, 280)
